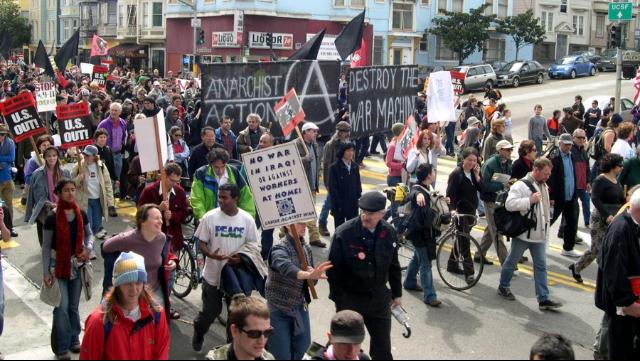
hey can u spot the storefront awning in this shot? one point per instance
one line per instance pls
(129, 51)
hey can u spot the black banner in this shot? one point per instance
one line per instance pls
(380, 96)
(237, 90)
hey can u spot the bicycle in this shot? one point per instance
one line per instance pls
(188, 270)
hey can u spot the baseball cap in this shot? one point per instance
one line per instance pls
(347, 327)
(504, 144)
(566, 139)
(472, 121)
(90, 150)
(4, 129)
(85, 92)
(309, 126)
(156, 83)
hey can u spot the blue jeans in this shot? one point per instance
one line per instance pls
(392, 181)
(480, 204)
(538, 142)
(421, 262)
(451, 134)
(66, 318)
(283, 343)
(539, 255)
(324, 213)
(94, 212)
(1, 300)
(236, 280)
(585, 199)
(117, 165)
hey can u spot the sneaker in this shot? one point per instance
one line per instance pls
(324, 232)
(414, 289)
(455, 270)
(101, 234)
(485, 261)
(571, 254)
(435, 303)
(524, 260)
(481, 215)
(549, 305)
(318, 243)
(470, 279)
(14, 234)
(579, 240)
(506, 294)
(75, 348)
(63, 356)
(197, 342)
(576, 275)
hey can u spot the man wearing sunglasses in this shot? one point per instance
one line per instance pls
(250, 324)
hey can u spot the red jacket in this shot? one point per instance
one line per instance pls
(151, 342)
(178, 206)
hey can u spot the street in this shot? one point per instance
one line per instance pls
(475, 324)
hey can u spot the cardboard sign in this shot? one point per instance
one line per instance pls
(381, 96)
(86, 68)
(46, 96)
(22, 117)
(440, 98)
(149, 143)
(74, 124)
(100, 75)
(289, 112)
(279, 185)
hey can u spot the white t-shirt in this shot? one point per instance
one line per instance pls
(623, 149)
(226, 233)
(93, 182)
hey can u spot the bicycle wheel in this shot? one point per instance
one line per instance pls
(452, 256)
(185, 272)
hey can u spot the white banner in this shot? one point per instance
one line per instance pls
(147, 142)
(328, 49)
(280, 186)
(46, 96)
(280, 41)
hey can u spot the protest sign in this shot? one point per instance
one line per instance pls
(86, 68)
(236, 90)
(21, 117)
(151, 146)
(279, 185)
(406, 140)
(46, 96)
(74, 125)
(381, 96)
(440, 99)
(457, 80)
(100, 74)
(289, 112)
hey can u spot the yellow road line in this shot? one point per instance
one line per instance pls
(8, 245)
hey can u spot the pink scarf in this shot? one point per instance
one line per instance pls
(51, 187)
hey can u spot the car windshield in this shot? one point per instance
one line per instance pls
(512, 67)
(609, 54)
(565, 61)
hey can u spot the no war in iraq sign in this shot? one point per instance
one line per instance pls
(22, 117)
(74, 125)
(279, 185)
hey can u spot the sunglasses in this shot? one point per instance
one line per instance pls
(254, 334)
(581, 138)
(177, 135)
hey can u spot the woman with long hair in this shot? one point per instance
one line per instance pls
(129, 325)
(67, 244)
(426, 151)
(527, 154)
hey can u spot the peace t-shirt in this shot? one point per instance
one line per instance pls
(221, 231)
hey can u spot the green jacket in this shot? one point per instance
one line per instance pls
(491, 167)
(222, 353)
(630, 176)
(204, 191)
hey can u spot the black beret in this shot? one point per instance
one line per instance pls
(373, 202)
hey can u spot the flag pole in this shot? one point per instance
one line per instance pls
(304, 145)
(303, 260)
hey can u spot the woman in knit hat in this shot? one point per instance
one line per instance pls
(130, 325)
(67, 243)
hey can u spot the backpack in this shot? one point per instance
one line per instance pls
(442, 216)
(596, 147)
(108, 326)
(513, 224)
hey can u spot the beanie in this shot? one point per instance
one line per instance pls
(396, 129)
(129, 268)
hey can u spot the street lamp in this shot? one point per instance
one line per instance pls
(195, 24)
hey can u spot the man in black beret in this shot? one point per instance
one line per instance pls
(364, 254)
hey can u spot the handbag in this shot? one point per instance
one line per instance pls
(51, 295)
(86, 278)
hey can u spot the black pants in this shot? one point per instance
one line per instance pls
(211, 308)
(40, 229)
(376, 311)
(462, 251)
(624, 338)
(378, 139)
(8, 221)
(339, 218)
(362, 146)
(571, 213)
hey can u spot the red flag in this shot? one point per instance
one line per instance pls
(359, 58)
(289, 112)
(99, 46)
(61, 79)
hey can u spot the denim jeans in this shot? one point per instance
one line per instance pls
(539, 255)
(481, 208)
(66, 317)
(451, 134)
(283, 343)
(585, 199)
(1, 299)
(117, 165)
(236, 280)
(94, 212)
(421, 262)
(392, 181)
(324, 213)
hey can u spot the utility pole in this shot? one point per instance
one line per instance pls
(618, 104)
(195, 24)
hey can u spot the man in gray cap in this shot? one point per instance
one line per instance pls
(364, 254)
(342, 135)
(311, 163)
(345, 339)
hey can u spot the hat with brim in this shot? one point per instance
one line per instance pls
(372, 202)
(4, 129)
(309, 126)
(473, 121)
(566, 139)
(504, 144)
(347, 327)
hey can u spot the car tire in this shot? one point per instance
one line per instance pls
(593, 71)
(540, 79)
(516, 82)
(573, 74)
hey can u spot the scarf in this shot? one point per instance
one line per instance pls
(51, 186)
(63, 238)
(528, 163)
(544, 203)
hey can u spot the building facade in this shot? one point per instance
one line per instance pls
(44, 17)
(96, 17)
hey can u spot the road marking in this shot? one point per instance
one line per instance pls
(26, 291)
(9, 245)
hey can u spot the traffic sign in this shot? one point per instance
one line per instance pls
(620, 11)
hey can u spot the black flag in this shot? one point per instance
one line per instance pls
(68, 51)
(41, 59)
(310, 49)
(5, 45)
(350, 39)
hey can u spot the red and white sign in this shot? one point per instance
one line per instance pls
(280, 41)
(74, 123)
(457, 79)
(289, 112)
(223, 40)
(238, 27)
(46, 96)
(99, 46)
(21, 116)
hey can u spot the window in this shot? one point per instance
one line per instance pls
(458, 6)
(488, 11)
(578, 25)
(145, 15)
(600, 26)
(563, 6)
(112, 13)
(444, 53)
(402, 17)
(543, 20)
(132, 16)
(357, 4)
(339, 3)
(495, 50)
(378, 50)
(157, 15)
(424, 2)
(503, 8)
(442, 7)
(424, 44)
(121, 17)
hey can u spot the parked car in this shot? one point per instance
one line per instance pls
(519, 72)
(590, 55)
(571, 67)
(626, 105)
(608, 60)
(477, 76)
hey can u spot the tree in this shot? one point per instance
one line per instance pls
(463, 33)
(524, 29)
(17, 26)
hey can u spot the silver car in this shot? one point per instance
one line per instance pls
(477, 76)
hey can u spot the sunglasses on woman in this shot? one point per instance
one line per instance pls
(254, 334)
